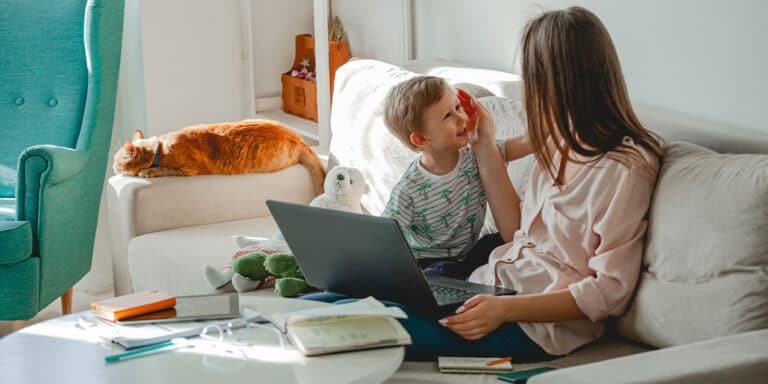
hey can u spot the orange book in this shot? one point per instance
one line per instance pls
(138, 303)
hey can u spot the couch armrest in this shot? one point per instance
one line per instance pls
(138, 206)
(740, 358)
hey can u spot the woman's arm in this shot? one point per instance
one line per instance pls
(502, 197)
(482, 314)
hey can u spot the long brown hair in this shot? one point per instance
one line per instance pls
(574, 89)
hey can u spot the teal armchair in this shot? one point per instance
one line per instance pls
(59, 63)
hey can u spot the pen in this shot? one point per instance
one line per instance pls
(498, 361)
(148, 350)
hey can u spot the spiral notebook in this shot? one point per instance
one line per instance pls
(471, 365)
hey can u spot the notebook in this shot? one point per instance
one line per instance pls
(134, 304)
(471, 365)
(135, 336)
(363, 324)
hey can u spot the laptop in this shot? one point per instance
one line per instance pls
(361, 255)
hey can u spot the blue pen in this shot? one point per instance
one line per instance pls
(148, 350)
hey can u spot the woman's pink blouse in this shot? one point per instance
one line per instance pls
(586, 236)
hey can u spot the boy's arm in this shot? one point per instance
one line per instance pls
(517, 147)
(398, 208)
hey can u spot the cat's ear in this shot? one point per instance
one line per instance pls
(129, 149)
(137, 135)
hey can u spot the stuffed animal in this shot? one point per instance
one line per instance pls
(259, 263)
(258, 266)
(344, 187)
(218, 277)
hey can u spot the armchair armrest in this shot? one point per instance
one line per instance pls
(740, 358)
(42, 166)
(138, 206)
(63, 162)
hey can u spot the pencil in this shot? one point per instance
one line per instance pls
(148, 350)
(499, 361)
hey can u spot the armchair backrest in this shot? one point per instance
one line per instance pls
(45, 79)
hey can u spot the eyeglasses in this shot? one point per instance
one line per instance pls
(232, 334)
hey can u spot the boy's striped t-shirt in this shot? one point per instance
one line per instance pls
(440, 216)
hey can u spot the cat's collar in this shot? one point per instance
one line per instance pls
(156, 161)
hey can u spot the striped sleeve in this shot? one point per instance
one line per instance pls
(398, 207)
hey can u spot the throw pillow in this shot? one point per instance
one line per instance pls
(705, 268)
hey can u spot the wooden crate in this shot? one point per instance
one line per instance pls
(299, 97)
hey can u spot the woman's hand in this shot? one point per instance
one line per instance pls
(484, 134)
(478, 317)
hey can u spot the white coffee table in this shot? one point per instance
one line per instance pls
(57, 351)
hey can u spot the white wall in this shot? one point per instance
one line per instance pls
(704, 58)
(192, 62)
(374, 28)
(275, 26)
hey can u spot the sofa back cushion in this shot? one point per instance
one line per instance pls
(705, 268)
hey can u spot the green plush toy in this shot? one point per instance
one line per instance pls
(257, 266)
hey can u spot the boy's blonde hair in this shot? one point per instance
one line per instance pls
(406, 104)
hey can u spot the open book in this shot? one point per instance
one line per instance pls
(362, 324)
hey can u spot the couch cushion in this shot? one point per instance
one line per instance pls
(500, 83)
(740, 358)
(706, 254)
(15, 241)
(473, 89)
(173, 261)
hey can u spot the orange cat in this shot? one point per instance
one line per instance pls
(227, 148)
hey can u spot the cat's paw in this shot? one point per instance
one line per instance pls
(147, 173)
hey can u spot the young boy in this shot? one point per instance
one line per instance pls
(439, 202)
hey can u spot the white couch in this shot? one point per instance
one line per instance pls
(705, 276)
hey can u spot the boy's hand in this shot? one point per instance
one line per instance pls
(478, 317)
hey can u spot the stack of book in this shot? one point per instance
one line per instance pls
(135, 304)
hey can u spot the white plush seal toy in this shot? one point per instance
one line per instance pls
(344, 188)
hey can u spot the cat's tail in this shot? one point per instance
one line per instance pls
(309, 159)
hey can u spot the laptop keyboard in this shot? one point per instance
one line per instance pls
(445, 294)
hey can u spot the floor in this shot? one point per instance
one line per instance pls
(81, 300)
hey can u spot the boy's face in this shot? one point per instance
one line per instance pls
(445, 125)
